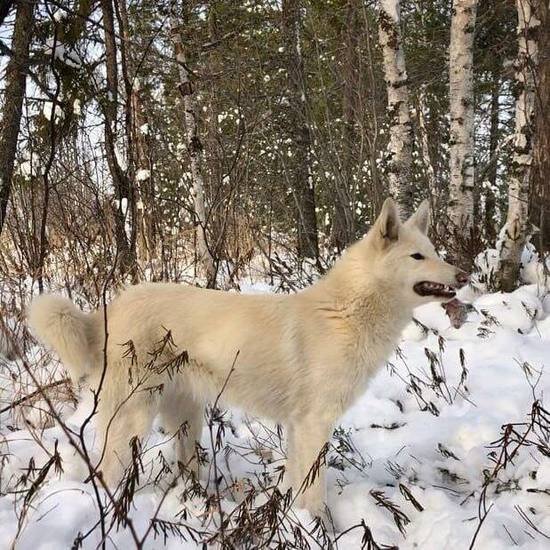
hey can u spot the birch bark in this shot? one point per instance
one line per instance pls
(514, 232)
(194, 147)
(461, 98)
(399, 150)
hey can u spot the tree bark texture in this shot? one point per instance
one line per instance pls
(343, 222)
(399, 150)
(299, 131)
(461, 99)
(540, 182)
(124, 205)
(194, 146)
(14, 94)
(514, 233)
(490, 202)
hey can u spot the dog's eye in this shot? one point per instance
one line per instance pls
(417, 256)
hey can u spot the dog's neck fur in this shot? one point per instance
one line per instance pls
(366, 316)
(356, 296)
(354, 286)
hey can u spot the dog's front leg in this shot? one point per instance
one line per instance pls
(306, 462)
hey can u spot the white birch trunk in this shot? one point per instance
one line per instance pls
(399, 151)
(194, 147)
(461, 98)
(514, 232)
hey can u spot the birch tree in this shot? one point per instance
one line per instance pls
(194, 144)
(399, 150)
(514, 232)
(14, 94)
(461, 100)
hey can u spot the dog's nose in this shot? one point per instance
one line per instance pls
(462, 278)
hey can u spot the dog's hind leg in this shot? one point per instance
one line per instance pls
(119, 422)
(183, 417)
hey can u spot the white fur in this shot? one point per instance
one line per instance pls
(300, 359)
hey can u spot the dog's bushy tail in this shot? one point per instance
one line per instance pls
(58, 323)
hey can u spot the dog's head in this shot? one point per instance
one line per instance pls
(407, 260)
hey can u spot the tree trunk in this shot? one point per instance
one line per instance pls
(514, 233)
(461, 98)
(146, 211)
(298, 128)
(490, 203)
(343, 222)
(15, 78)
(218, 184)
(399, 151)
(540, 179)
(122, 184)
(425, 148)
(143, 238)
(194, 146)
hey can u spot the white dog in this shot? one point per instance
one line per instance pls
(299, 359)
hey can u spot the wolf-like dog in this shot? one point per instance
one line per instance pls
(300, 360)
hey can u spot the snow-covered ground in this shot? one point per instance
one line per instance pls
(420, 439)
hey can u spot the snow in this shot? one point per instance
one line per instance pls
(69, 57)
(142, 174)
(48, 108)
(440, 453)
(29, 168)
(121, 158)
(533, 271)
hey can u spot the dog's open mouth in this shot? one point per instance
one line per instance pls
(427, 288)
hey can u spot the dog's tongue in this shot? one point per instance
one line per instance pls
(457, 312)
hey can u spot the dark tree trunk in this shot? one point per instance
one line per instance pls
(143, 204)
(121, 182)
(298, 128)
(540, 183)
(14, 94)
(343, 224)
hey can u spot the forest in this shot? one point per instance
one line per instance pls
(243, 146)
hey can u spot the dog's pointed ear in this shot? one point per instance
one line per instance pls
(421, 218)
(388, 223)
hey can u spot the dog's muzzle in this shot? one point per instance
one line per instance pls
(439, 290)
